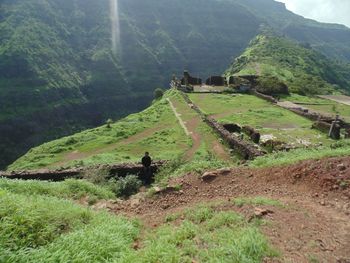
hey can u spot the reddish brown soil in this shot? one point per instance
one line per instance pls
(314, 222)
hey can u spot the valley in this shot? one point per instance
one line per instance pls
(187, 131)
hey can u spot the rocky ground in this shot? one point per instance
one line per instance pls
(313, 223)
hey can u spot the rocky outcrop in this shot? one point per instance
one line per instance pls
(117, 170)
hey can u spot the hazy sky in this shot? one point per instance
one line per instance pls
(333, 11)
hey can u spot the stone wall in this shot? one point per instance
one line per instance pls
(252, 133)
(263, 96)
(118, 170)
(246, 150)
(325, 127)
(216, 81)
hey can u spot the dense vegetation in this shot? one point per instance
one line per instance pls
(58, 74)
(304, 70)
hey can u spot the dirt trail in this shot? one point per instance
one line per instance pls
(192, 126)
(76, 155)
(315, 219)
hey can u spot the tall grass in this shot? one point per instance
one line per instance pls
(69, 189)
(205, 235)
(47, 229)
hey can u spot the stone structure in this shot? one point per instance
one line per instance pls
(118, 170)
(263, 96)
(252, 133)
(232, 127)
(216, 81)
(333, 130)
(245, 149)
(188, 80)
(347, 134)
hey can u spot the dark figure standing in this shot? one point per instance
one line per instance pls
(147, 171)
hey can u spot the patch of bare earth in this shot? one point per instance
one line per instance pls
(315, 219)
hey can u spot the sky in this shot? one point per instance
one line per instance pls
(332, 11)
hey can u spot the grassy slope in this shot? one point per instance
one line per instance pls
(265, 117)
(303, 69)
(41, 228)
(153, 130)
(323, 106)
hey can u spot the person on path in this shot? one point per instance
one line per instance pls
(147, 171)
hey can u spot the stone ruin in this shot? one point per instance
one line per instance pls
(117, 170)
(252, 133)
(216, 81)
(247, 150)
(188, 80)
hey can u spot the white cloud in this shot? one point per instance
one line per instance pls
(332, 11)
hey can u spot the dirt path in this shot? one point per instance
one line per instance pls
(192, 126)
(178, 116)
(76, 155)
(315, 219)
(337, 98)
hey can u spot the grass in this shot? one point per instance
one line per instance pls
(153, 130)
(47, 229)
(68, 189)
(323, 106)
(241, 201)
(269, 119)
(294, 156)
(205, 235)
(42, 228)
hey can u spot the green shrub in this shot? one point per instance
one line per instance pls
(271, 85)
(126, 186)
(158, 93)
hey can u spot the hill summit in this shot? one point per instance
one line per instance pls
(303, 69)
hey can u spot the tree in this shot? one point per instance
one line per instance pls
(158, 93)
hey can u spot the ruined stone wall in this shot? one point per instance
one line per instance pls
(252, 133)
(263, 96)
(118, 170)
(322, 126)
(325, 127)
(216, 81)
(246, 150)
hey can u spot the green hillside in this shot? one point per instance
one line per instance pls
(59, 76)
(303, 69)
(156, 130)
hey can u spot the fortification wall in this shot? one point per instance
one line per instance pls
(118, 170)
(264, 96)
(246, 150)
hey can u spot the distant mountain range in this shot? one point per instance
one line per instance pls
(58, 74)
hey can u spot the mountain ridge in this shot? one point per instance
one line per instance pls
(57, 58)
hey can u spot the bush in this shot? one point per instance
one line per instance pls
(158, 93)
(96, 175)
(271, 86)
(126, 186)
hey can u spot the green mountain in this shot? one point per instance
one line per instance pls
(58, 74)
(304, 70)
